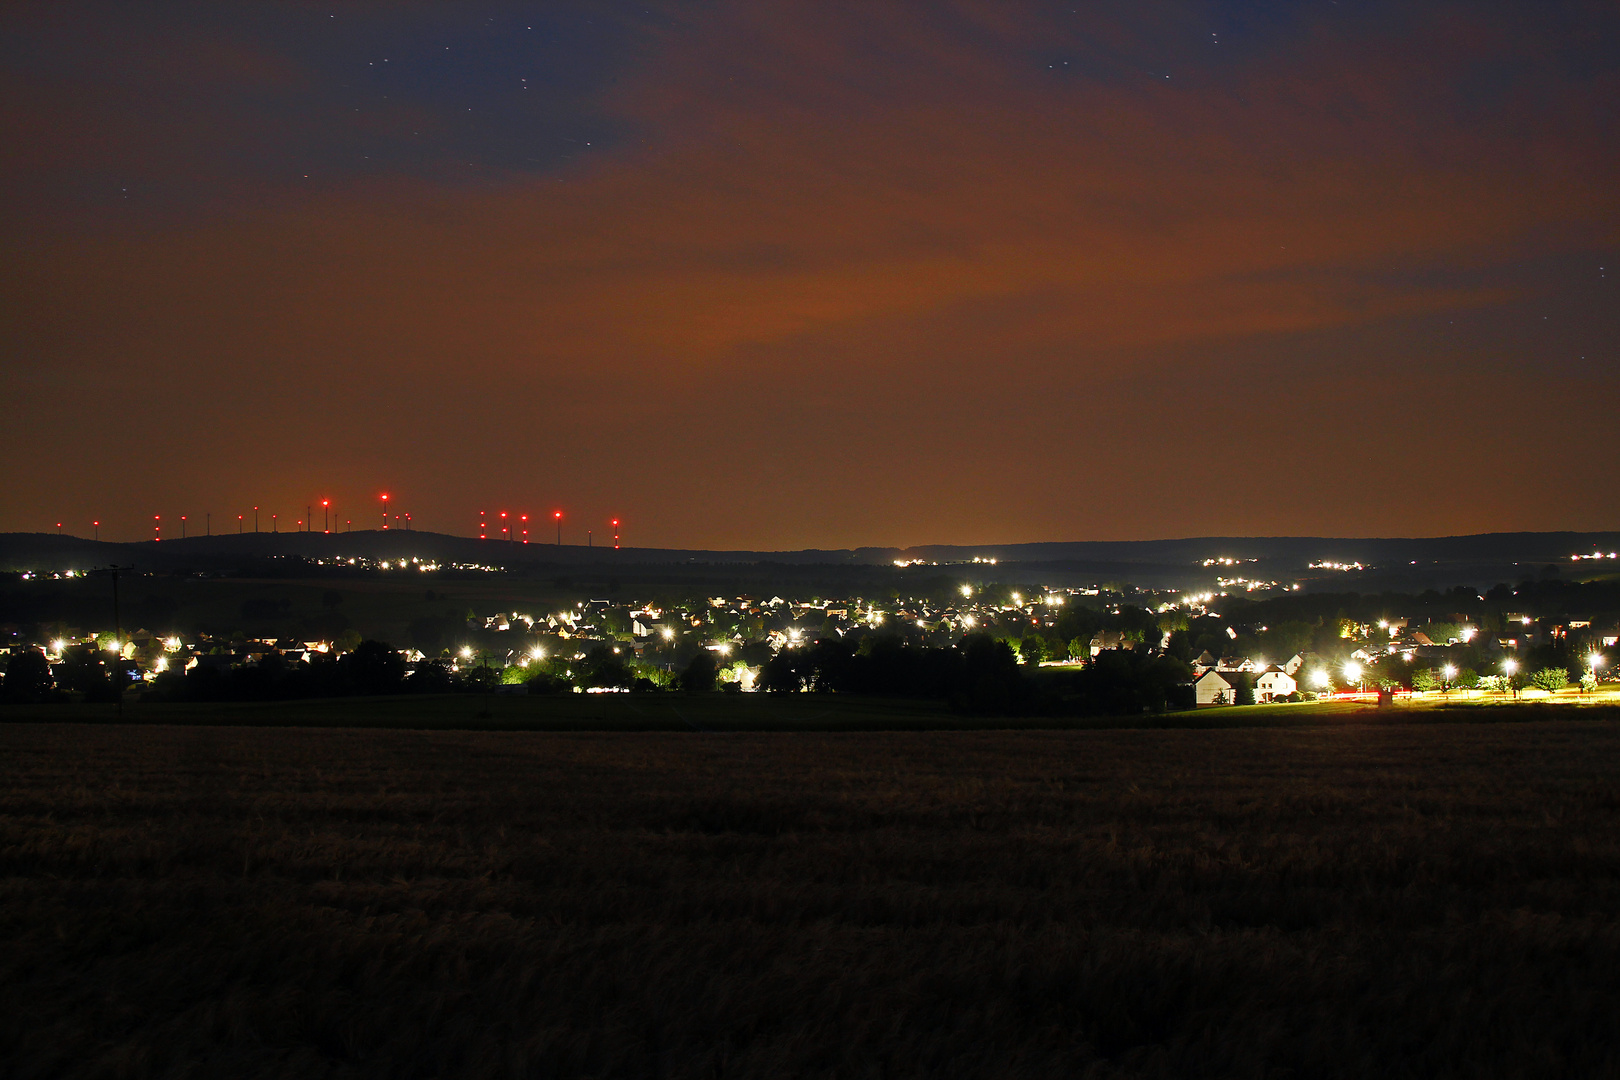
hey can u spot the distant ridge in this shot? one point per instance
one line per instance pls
(1482, 557)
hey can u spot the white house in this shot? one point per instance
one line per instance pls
(1274, 684)
(1218, 687)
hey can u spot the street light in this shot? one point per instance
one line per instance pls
(1320, 679)
(1449, 672)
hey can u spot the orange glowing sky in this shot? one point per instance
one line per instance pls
(826, 275)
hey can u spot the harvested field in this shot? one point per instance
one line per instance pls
(1356, 900)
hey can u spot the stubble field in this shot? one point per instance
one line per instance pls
(1356, 900)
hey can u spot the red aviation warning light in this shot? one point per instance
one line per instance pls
(615, 534)
(385, 510)
(558, 516)
(483, 526)
(157, 527)
(525, 519)
(326, 514)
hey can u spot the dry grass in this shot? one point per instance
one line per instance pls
(1435, 900)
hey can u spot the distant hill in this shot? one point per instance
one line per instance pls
(1405, 563)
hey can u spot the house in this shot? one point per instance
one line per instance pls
(1110, 639)
(1295, 662)
(1223, 688)
(1274, 684)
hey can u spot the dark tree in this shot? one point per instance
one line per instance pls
(700, 674)
(375, 668)
(28, 677)
(430, 677)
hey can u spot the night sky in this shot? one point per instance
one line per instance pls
(814, 274)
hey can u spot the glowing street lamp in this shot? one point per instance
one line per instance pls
(1449, 672)
(1320, 679)
(1352, 672)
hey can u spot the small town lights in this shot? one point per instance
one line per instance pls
(537, 654)
(669, 635)
(466, 652)
(967, 590)
(58, 645)
(1018, 600)
(172, 644)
